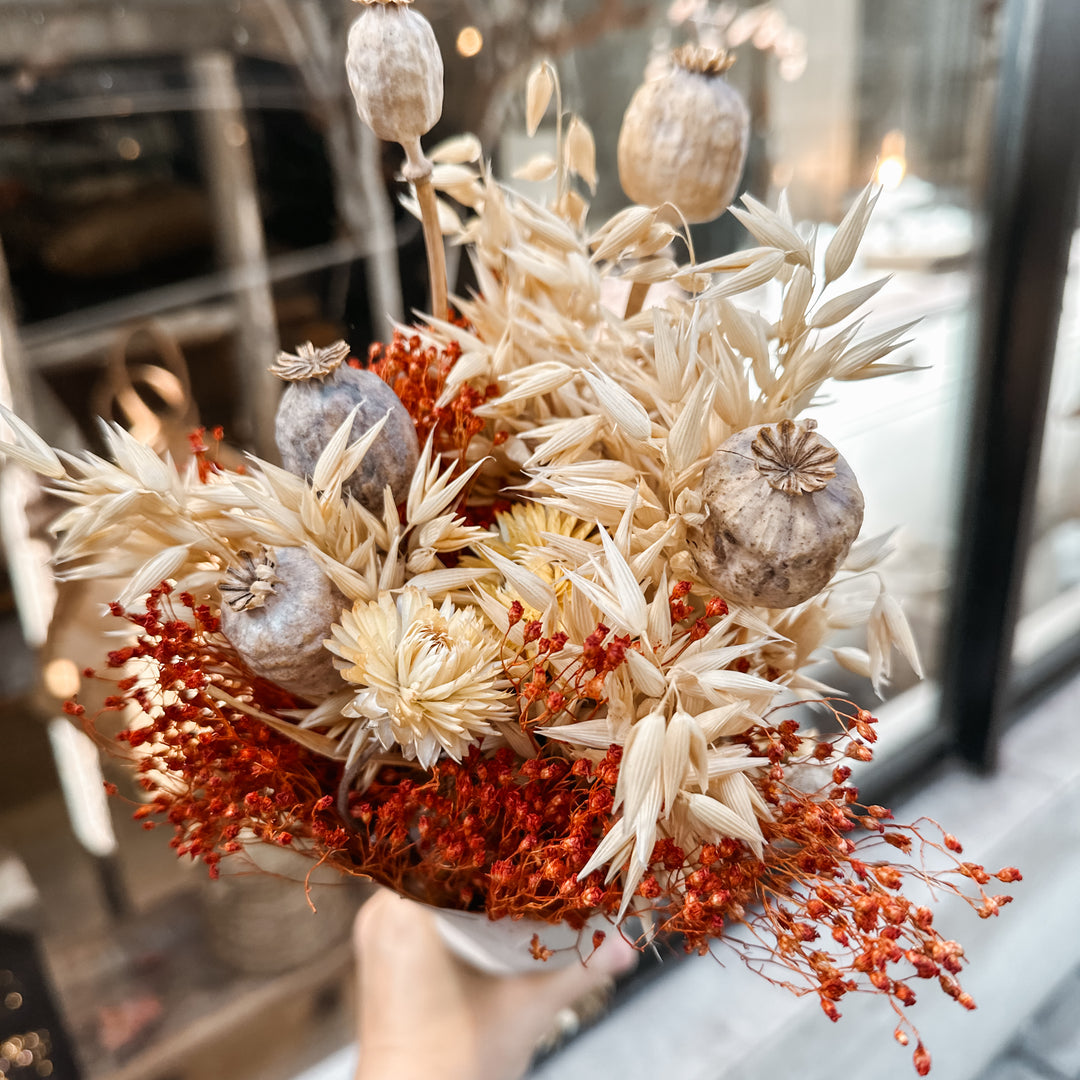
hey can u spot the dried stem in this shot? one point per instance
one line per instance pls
(560, 181)
(433, 241)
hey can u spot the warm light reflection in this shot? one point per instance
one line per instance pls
(890, 171)
(128, 148)
(470, 41)
(892, 165)
(61, 678)
(235, 134)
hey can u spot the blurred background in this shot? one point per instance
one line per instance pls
(185, 189)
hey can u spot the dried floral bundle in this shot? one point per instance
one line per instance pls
(523, 627)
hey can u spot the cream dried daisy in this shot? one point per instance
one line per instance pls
(524, 531)
(427, 678)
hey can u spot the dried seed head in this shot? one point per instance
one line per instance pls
(783, 509)
(684, 137)
(701, 60)
(793, 457)
(310, 362)
(395, 71)
(247, 586)
(315, 405)
(280, 636)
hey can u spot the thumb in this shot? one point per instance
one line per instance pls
(550, 991)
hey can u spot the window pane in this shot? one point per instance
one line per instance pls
(1050, 602)
(840, 93)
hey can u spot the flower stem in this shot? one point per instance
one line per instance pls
(433, 241)
(560, 181)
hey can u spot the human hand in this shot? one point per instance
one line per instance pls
(423, 1013)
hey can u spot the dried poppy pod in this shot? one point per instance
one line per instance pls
(276, 611)
(684, 137)
(782, 511)
(322, 392)
(395, 72)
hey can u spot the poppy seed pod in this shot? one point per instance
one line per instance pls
(322, 391)
(395, 72)
(276, 611)
(684, 137)
(782, 511)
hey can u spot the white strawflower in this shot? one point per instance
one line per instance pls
(428, 678)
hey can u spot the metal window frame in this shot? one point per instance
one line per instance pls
(1031, 203)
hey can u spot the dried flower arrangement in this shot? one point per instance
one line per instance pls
(521, 626)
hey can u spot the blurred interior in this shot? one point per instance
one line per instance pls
(185, 189)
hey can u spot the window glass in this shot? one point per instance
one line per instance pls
(841, 93)
(1050, 602)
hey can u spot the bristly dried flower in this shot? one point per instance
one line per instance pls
(310, 362)
(427, 677)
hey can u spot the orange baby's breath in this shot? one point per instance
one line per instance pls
(822, 911)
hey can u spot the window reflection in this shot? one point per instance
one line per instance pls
(1050, 604)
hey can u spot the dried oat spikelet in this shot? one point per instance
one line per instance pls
(684, 137)
(783, 509)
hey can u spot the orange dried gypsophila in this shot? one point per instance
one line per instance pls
(816, 880)
(508, 836)
(417, 374)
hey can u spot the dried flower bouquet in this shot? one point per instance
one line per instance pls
(523, 624)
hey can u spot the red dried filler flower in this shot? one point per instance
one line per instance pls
(417, 374)
(509, 836)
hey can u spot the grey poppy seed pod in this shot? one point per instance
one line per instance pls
(782, 511)
(322, 391)
(395, 72)
(684, 137)
(276, 611)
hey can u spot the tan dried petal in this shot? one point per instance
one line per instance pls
(457, 150)
(762, 270)
(845, 242)
(770, 229)
(840, 307)
(619, 232)
(796, 297)
(537, 169)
